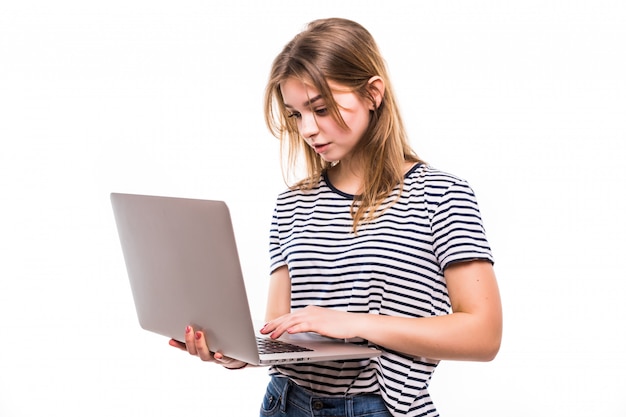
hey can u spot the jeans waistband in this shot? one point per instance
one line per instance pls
(315, 405)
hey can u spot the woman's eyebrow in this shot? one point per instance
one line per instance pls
(307, 103)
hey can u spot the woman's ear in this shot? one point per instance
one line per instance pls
(376, 87)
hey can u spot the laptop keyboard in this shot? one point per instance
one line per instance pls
(267, 345)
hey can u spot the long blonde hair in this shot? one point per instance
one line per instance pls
(344, 52)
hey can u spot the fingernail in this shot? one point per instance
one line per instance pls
(187, 329)
(198, 335)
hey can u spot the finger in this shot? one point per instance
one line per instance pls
(221, 359)
(202, 347)
(177, 344)
(190, 342)
(275, 328)
(299, 327)
(228, 362)
(267, 328)
(283, 326)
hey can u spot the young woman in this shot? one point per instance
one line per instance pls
(373, 244)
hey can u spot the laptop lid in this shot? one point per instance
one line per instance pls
(183, 268)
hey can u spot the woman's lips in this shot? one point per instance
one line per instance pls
(321, 148)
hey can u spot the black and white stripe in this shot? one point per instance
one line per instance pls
(392, 266)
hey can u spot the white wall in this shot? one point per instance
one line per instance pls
(526, 100)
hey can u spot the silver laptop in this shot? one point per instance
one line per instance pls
(182, 263)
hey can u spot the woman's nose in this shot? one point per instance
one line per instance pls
(308, 126)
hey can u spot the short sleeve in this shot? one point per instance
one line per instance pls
(458, 232)
(276, 255)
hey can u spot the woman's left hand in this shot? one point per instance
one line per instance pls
(324, 321)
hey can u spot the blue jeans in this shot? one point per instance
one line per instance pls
(286, 399)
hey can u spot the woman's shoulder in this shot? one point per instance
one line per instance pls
(302, 190)
(428, 175)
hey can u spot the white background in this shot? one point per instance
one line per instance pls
(526, 100)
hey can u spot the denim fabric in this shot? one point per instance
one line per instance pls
(286, 399)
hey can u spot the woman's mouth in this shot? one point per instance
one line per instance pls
(321, 148)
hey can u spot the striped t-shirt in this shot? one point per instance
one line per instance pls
(392, 266)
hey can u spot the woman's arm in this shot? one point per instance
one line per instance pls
(472, 331)
(279, 294)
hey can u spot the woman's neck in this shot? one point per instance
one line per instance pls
(346, 178)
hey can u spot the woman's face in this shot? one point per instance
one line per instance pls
(319, 129)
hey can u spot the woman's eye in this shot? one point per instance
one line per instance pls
(323, 111)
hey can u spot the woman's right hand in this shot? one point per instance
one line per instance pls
(197, 345)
